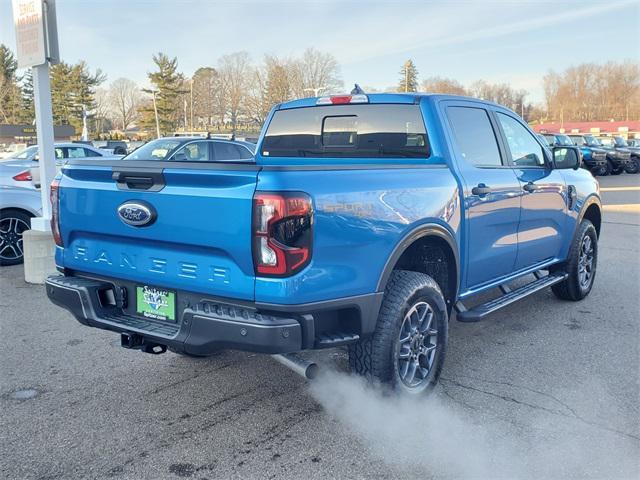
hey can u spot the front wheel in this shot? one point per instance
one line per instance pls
(605, 170)
(615, 170)
(407, 348)
(581, 265)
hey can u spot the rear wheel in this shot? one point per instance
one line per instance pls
(633, 166)
(581, 265)
(13, 223)
(407, 348)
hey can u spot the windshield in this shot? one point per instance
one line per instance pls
(24, 154)
(563, 140)
(592, 141)
(347, 131)
(620, 142)
(159, 149)
(607, 141)
(577, 140)
(549, 140)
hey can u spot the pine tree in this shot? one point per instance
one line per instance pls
(167, 85)
(9, 89)
(73, 88)
(27, 113)
(408, 77)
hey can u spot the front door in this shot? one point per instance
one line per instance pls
(491, 194)
(544, 195)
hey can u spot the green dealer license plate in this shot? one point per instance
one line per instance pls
(156, 303)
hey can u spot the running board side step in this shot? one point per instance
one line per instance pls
(478, 312)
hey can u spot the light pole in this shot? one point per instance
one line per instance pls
(155, 108)
(191, 101)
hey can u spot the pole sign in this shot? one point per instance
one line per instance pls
(28, 19)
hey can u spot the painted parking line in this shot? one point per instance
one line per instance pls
(622, 208)
(620, 189)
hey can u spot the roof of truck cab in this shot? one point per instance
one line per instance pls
(382, 98)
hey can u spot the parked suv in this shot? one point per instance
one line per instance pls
(592, 148)
(594, 161)
(620, 146)
(364, 221)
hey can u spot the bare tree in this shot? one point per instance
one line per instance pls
(256, 102)
(314, 74)
(235, 71)
(443, 85)
(272, 83)
(125, 98)
(205, 86)
(102, 113)
(589, 91)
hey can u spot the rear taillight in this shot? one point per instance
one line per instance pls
(23, 176)
(55, 211)
(282, 232)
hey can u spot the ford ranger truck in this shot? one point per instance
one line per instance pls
(364, 221)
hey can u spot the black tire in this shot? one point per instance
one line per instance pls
(633, 166)
(605, 170)
(574, 288)
(13, 223)
(615, 170)
(377, 358)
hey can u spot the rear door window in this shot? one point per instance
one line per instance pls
(474, 136)
(76, 152)
(193, 152)
(347, 131)
(229, 152)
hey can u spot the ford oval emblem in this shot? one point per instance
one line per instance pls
(137, 214)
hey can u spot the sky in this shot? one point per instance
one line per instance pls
(510, 41)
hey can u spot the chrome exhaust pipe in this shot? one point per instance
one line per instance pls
(305, 368)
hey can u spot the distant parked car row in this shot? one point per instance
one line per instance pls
(602, 155)
(20, 198)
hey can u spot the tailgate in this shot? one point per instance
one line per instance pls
(199, 236)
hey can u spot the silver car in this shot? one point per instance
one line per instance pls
(17, 207)
(21, 169)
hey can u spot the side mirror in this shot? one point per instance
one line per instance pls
(567, 157)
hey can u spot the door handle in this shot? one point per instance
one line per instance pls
(481, 190)
(530, 187)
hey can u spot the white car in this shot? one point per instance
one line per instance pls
(21, 168)
(65, 151)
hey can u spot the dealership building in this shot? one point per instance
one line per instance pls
(27, 133)
(626, 129)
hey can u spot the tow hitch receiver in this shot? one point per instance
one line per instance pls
(137, 342)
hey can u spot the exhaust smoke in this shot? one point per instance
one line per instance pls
(437, 437)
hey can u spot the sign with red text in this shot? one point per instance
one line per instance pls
(28, 19)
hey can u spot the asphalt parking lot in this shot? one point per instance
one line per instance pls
(543, 389)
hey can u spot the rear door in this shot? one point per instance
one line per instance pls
(544, 195)
(491, 194)
(199, 236)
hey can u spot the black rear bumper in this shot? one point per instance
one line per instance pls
(205, 325)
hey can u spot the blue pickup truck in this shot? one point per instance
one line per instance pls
(365, 221)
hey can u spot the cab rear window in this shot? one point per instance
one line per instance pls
(351, 131)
